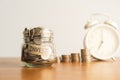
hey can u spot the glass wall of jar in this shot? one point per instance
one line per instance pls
(38, 47)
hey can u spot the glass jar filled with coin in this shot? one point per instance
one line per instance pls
(38, 48)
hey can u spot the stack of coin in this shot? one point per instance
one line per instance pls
(85, 55)
(75, 57)
(58, 59)
(65, 58)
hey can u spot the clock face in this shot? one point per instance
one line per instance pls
(103, 41)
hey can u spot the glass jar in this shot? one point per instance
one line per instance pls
(38, 48)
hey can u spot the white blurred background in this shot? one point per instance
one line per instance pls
(65, 17)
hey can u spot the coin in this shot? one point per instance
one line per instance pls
(85, 55)
(75, 57)
(65, 58)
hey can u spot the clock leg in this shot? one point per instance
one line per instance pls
(113, 58)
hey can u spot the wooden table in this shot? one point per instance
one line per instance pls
(12, 69)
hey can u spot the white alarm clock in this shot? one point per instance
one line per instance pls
(102, 39)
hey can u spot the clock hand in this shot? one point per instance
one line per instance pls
(101, 43)
(102, 36)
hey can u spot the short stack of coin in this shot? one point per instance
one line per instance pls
(85, 55)
(65, 58)
(75, 57)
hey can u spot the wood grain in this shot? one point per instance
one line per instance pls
(12, 69)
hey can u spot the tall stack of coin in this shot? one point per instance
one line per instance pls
(85, 55)
(75, 57)
(65, 58)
